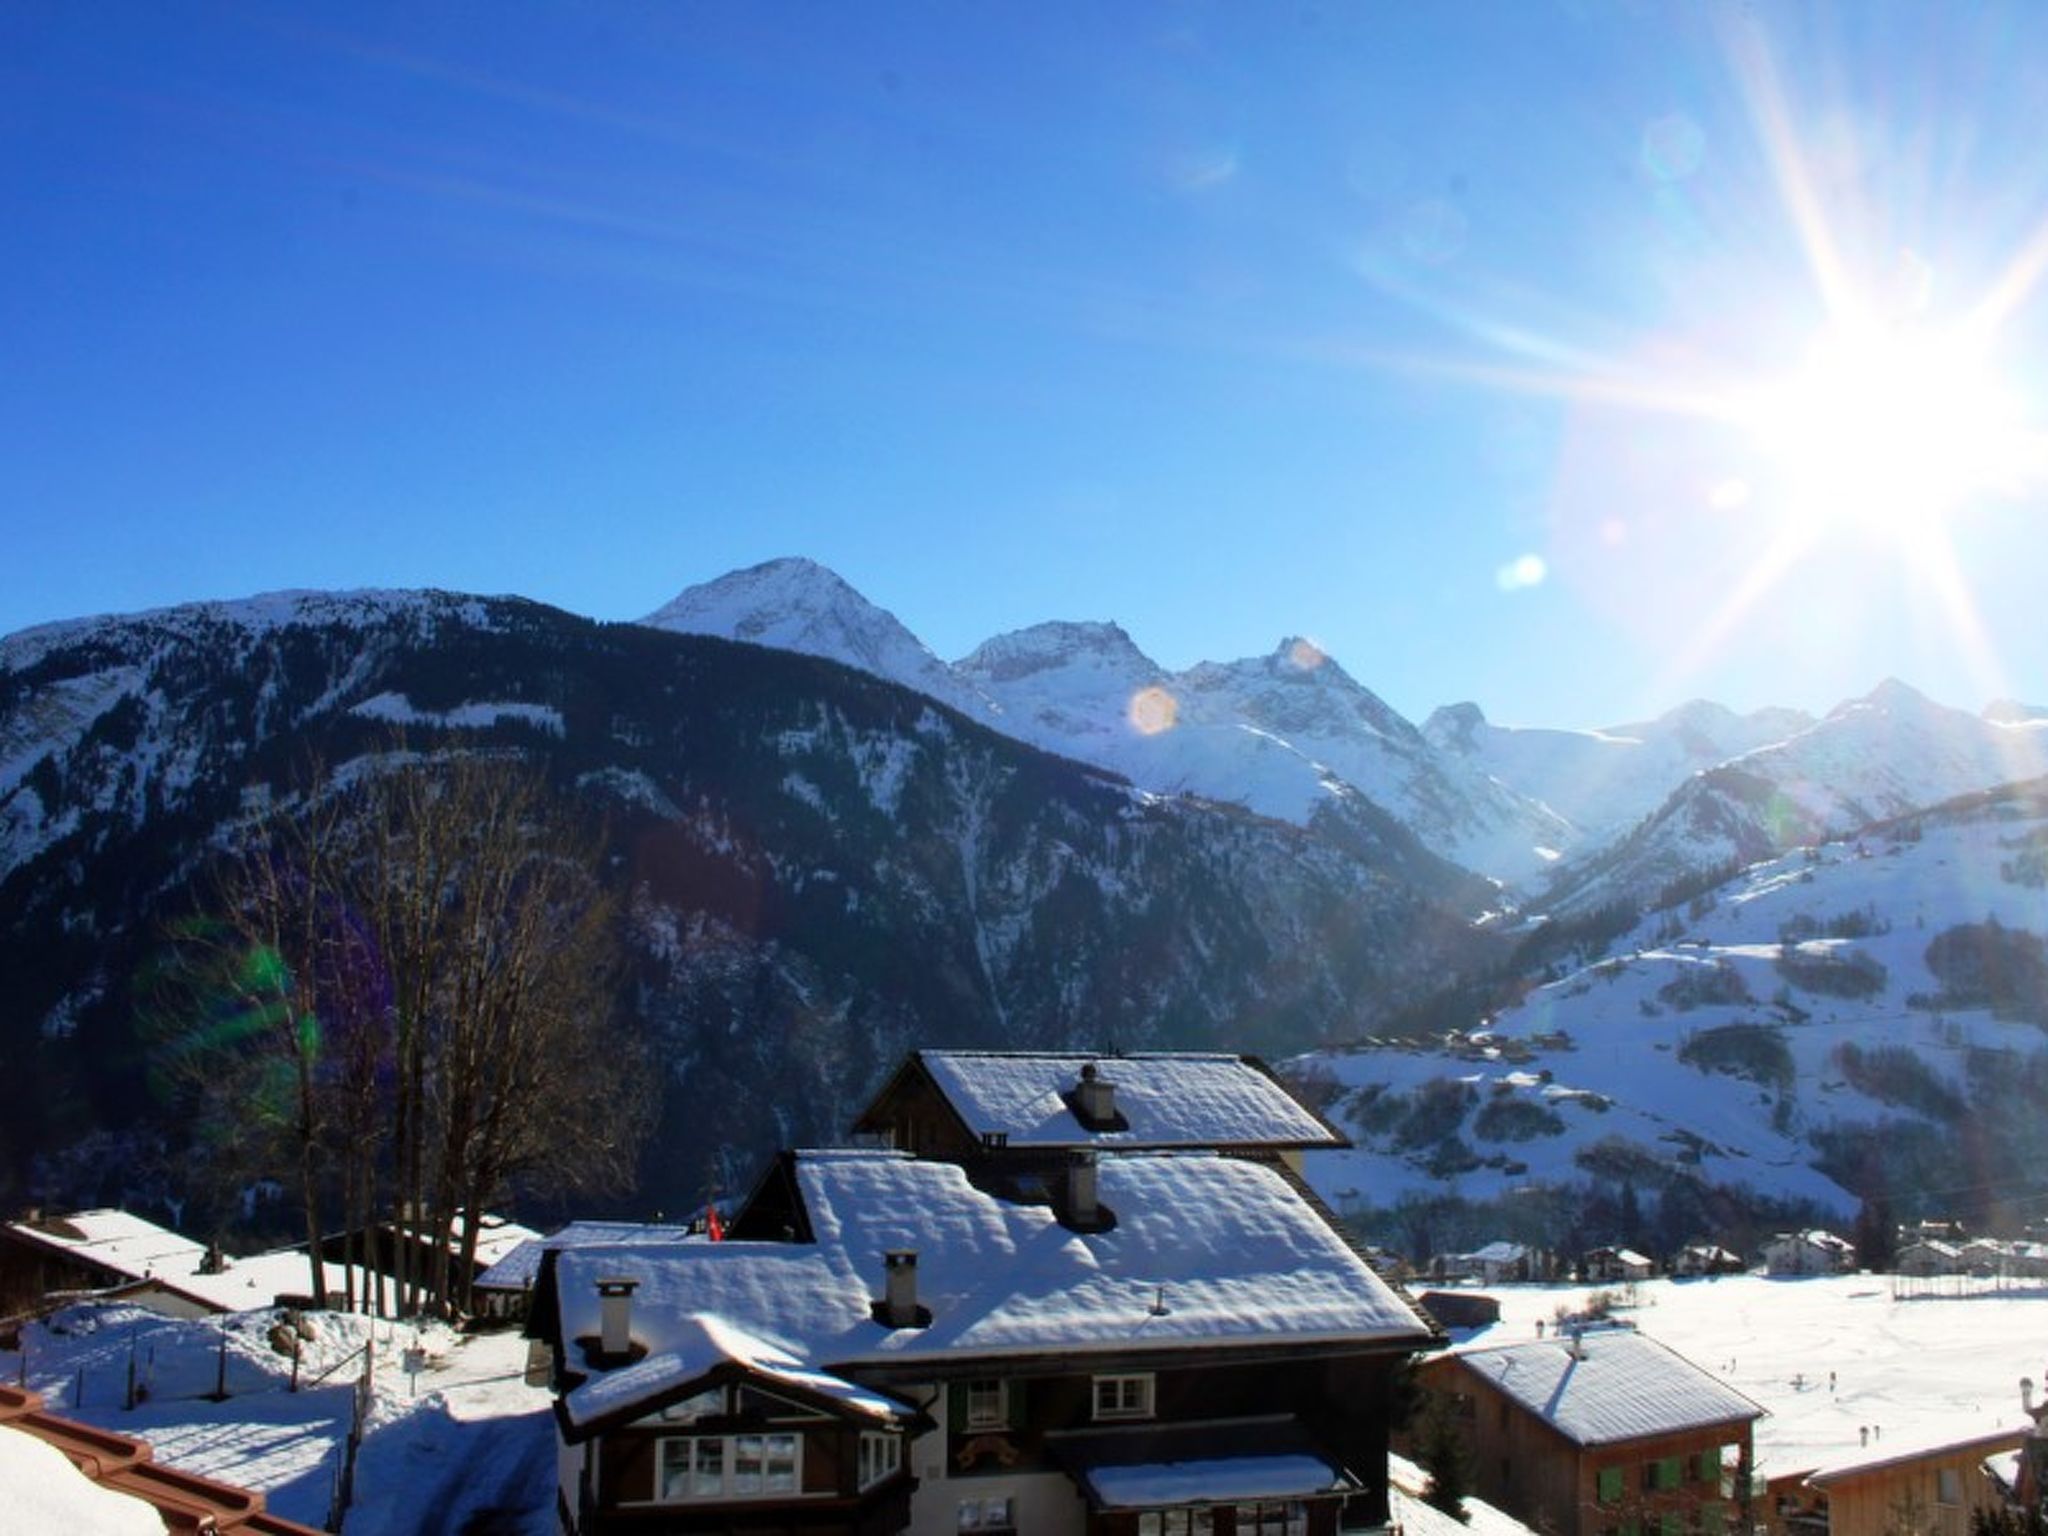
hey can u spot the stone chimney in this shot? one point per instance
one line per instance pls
(615, 1337)
(899, 1308)
(1095, 1099)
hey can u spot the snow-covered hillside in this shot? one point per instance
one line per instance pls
(1753, 1037)
(1883, 755)
(1605, 781)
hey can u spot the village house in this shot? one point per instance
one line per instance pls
(1698, 1259)
(1932, 1488)
(387, 1247)
(502, 1291)
(1100, 1326)
(1623, 1264)
(118, 1256)
(1931, 1257)
(1602, 1433)
(1034, 1105)
(1809, 1253)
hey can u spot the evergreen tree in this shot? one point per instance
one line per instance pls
(1442, 1453)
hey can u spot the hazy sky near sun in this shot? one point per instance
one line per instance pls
(1434, 332)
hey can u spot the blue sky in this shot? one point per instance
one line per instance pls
(1433, 332)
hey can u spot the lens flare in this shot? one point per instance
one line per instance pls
(1152, 711)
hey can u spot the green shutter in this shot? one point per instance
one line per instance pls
(1674, 1523)
(1710, 1465)
(1610, 1485)
(1014, 1402)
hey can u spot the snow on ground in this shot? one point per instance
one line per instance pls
(466, 1437)
(1604, 1047)
(1914, 1361)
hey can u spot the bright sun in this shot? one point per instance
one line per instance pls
(1887, 429)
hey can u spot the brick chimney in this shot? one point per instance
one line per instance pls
(615, 1336)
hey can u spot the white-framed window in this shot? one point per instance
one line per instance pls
(1176, 1522)
(988, 1406)
(1123, 1397)
(728, 1467)
(993, 1513)
(881, 1455)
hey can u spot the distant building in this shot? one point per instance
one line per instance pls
(1602, 1431)
(503, 1290)
(120, 1256)
(1696, 1259)
(1461, 1309)
(1615, 1264)
(1812, 1252)
(1929, 1257)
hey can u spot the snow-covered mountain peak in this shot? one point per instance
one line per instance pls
(1454, 727)
(1892, 698)
(1057, 645)
(795, 604)
(1298, 690)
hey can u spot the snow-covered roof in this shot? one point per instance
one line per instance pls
(698, 1344)
(496, 1236)
(45, 1492)
(1611, 1385)
(1205, 1251)
(1180, 1099)
(1218, 1481)
(1407, 1490)
(245, 1284)
(115, 1240)
(520, 1266)
(1979, 1443)
(1500, 1253)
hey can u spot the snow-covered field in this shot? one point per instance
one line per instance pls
(469, 1437)
(1913, 1361)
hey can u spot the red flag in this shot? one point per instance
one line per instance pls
(713, 1225)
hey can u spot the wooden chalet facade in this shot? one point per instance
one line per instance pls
(1933, 1488)
(1068, 1335)
(1603, 1434)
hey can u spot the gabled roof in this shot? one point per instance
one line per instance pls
(125, 1244)
(1166, 1100)
(519, 1268)
(1612, 1385)
(1984, 1442)
(1206, 1252)
(697, 1346)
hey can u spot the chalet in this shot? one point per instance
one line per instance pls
(86, 1251)
(122, 1257)
(1615, 1264)
(1600, 1432)
(1500, 1262)
(1697, 1259)
(1809, 1253)
(1931, 1257)
(502, 1290)
(966, 1105)
(1933, 1488)
(1146, 1343)
(61, 1475)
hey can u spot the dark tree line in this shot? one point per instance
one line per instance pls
(397, 998)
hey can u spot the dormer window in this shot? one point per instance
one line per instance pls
(1123, 1397)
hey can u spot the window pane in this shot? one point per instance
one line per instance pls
(1149, 1524)
(710, 1477)
(782, 1463)
(746, 1463)
(675, 1469)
